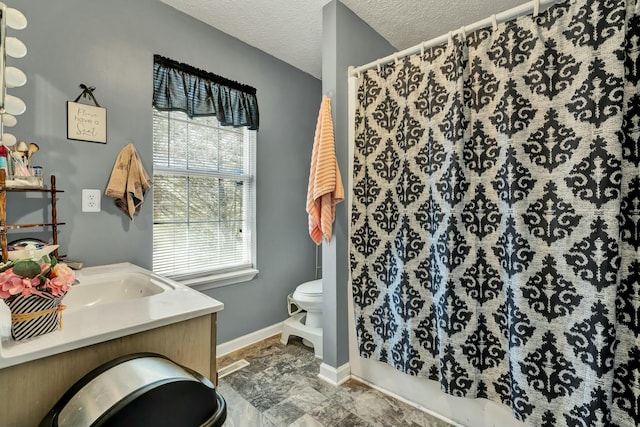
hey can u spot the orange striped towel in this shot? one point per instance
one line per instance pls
(325, 184)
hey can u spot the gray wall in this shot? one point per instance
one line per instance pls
(110, 45)
(347, 40)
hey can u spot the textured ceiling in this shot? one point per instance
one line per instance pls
(291, 30)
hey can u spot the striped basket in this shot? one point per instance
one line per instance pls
(35, 315)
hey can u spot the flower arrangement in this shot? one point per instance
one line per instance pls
(29, 277)
(33, 290)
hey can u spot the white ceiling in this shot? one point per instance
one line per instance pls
(291, 30)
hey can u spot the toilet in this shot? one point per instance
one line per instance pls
(305, 309)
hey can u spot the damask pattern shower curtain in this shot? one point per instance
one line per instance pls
(496, 215)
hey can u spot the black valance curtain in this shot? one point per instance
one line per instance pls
(178, 86)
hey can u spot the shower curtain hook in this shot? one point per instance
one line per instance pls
(463, 33)
(450, 37)
(378, 65)
(536, 7)
(494, 20)
(422, 49)
(395, 59)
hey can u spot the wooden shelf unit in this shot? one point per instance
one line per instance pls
(4, 227)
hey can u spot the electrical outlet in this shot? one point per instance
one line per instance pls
(91, 200)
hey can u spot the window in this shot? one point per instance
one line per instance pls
(203, 195)
(204, 142)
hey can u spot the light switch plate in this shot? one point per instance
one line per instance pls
(91, 200)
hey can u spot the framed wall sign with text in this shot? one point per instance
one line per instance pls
(86, 122)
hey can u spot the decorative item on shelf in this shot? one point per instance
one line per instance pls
(4, 160)
(29, 249)
(33, 290)
(86, 122)
(18, 164)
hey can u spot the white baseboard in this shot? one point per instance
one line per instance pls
(246, 340)
(335, 376)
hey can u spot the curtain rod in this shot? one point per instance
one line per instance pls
(532, 6)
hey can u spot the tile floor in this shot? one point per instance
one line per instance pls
(280, 388)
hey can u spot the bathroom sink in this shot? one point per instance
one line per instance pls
(102, 289)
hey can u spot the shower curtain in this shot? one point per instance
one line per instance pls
(496, 215)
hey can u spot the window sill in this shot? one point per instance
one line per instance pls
(220, 280)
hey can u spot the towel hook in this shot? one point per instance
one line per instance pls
(494, 21)
(536, 7)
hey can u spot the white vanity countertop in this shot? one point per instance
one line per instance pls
(103, 321)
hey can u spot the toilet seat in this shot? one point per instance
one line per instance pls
(309, 289)
(309, 295)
